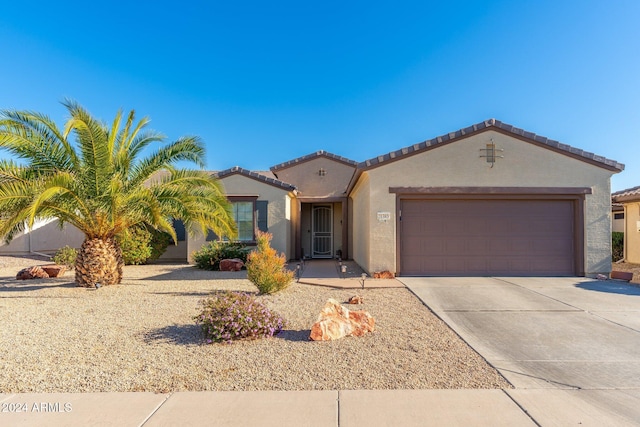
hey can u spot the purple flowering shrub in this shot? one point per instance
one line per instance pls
(232, 316)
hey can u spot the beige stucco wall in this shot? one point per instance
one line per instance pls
(45, 237)
(278, 215)
(360, 224)
(337, 228)
(458, 165)
(305, 176)
(175, 252)
(631, 233)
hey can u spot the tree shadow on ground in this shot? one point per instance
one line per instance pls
(206, 293)
(294, 335)
(189, 272)
(13, 285)
(611, 287)
(175, 334)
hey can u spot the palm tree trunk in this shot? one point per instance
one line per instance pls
(99, 262)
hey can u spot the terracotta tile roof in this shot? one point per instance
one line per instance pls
(320, 153)
(258, 176)
(626, 195)
(497, 125)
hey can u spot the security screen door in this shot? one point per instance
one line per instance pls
(322, 236)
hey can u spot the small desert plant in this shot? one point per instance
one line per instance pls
(232, 316)
(266, 268)
(135, 244)
(66, 256)
(209, 256)
(617, 245)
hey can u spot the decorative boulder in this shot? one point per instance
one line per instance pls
(34, 272)
(233, 264)
(356, 299)
(383, 275)
(627, 276)
(335, 322)
(54, 270)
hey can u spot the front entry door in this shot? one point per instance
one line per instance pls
(322, 236)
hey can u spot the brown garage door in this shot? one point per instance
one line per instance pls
(487, 237)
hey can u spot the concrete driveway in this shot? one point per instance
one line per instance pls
(569, 346)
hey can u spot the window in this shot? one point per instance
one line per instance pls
(248, 213)
(618, 215)
(243, 216)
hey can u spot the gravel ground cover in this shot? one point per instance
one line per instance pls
(140, 336)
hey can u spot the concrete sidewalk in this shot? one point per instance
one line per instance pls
(269, 408)
(349, 408)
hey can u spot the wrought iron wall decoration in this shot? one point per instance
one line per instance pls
(491, 153)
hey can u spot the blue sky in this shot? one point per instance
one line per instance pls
(265, 82)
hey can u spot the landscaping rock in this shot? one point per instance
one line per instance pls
(627, 276)
(54, 270)
(383, 275)
(356, 299)
(233, 264)
(335, 322)
(34, 272)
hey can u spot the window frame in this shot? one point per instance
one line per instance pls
(245, 199)
(239, 199)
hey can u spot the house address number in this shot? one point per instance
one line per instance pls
(384, 216)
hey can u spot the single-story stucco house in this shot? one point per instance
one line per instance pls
(617, 216)
(489, 199)
(630, 201)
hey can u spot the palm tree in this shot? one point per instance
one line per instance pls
(103, 183)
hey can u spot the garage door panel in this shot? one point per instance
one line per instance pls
(487, 237)
(455, 245)
(475, 245)
(431, 226)
(497, 246)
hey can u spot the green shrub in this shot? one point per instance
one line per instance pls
(66, 256)
(210, 255)
(266, 268)
(617, 245)
(232, 316)
(135, 243)
(160, 241)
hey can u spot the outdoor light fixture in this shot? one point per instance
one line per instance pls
(364, 277)
(298, 272)
(489, 153)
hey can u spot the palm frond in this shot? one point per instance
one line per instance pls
(101, 179)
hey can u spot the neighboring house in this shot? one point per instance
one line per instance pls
(617, 217)
(44, 237)
(630, 200)
(490, 199)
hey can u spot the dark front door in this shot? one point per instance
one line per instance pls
(322, 231)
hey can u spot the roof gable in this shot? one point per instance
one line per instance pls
(237, 170)
(308, 157)
(496, 125)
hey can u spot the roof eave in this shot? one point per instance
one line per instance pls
(237, 170)
(498, 126)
